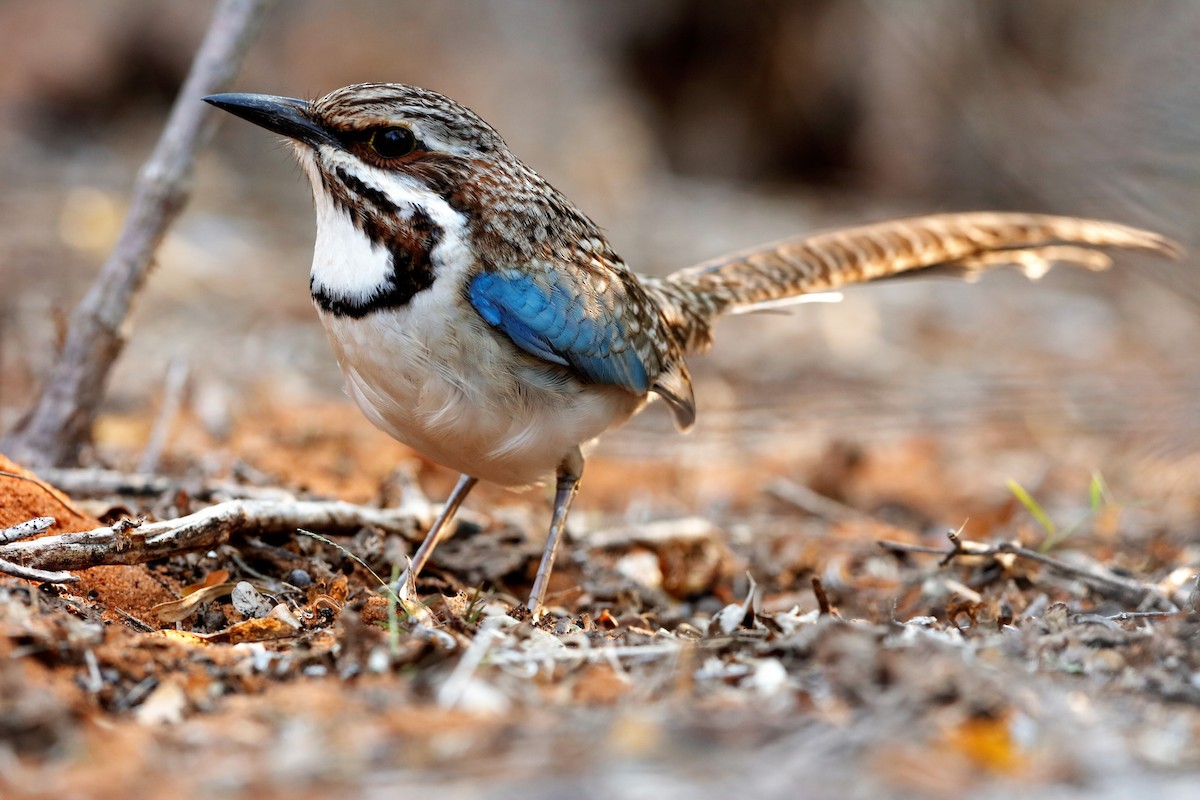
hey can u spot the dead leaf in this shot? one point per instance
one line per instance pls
(988, 743)
(184, 607)
(183, 637)
(284, 614)
(165, 705)
(254, 630)
(332, 595)
(211, 579)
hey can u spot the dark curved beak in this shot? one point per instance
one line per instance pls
(284, 115)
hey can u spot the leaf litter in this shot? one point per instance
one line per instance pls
(771, 645)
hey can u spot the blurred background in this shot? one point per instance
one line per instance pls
(685, 129)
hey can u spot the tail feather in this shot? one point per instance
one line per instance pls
(965, 244)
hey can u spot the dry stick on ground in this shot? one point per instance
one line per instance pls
(60, 422)
(92, 482)
(1124, 589)
(23, 530)
(131, 543)
(30, 574)
(824, 607)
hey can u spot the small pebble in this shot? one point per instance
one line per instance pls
(299, 578)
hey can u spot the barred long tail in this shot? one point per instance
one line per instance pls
(965, 244)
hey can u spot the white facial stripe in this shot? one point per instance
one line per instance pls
(346, 263)
(404, 191)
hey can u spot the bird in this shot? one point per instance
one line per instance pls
(480, 317)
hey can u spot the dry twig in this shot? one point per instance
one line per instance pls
(93, 482)
(823, 605)
(31, 574)
(60, 423)
(1126, 616)
(133, 543)
(23, 530)
(1127, 590)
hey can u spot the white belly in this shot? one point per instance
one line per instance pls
(462, 396)
(432, 373)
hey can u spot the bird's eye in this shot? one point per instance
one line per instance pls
(392, 142)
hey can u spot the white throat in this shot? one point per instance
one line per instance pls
(347, 264)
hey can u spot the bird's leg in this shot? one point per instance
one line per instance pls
(461, 490)
(569, 472)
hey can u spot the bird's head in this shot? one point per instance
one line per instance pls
(425, 183)
(357, 142)
(407, 167)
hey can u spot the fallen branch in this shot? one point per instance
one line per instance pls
(38, 575)
(1126, 616)
(60, 422)
(23, 530)
(94, 482)
(1127, 590)
(134, 543)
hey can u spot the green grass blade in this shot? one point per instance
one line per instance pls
(1033, 507)
(1098, 493)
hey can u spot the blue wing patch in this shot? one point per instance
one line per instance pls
(556, 324)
